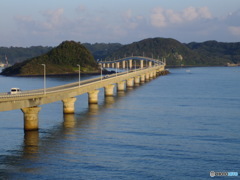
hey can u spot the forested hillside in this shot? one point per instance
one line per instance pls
(209, 53)
(218, 52)
(60, 60)
(102, 50)
(19, 54)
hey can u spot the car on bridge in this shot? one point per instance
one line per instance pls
(15, 91)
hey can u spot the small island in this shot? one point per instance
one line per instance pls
(61, 60)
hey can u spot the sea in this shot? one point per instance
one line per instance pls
(181, 126)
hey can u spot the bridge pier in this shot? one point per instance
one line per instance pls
(93, 97)
(121, 86)
(151, 75)
(143, 78)
(137, 80)
(130, 64)
(31, 118)
(109, 90)
(154, 74)
(147, 76)
(141, 64)
(123, 64)
(117, 65)
(150, 64)
(68, 105)
(130, 82)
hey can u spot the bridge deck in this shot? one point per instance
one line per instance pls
(58, 93)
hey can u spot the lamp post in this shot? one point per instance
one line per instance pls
(116, 68)
(44, 78)
(101, 71)
(79, 72)
(135, 65)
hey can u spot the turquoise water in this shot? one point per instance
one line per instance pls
(179, 126)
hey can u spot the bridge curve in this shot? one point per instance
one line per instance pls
(157, 61)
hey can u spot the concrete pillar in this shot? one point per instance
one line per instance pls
(154, 73)
(141, 64)
(130, 64)
(68, 105)
(103, 65)
(143, 78)
(151, 75)
(112, 65)
(150, 64)
(93, 97)
(31, 118)
(137, 80)
(130, 82)
(108, 65)
(147, 76)
(121, 86)
(118, 65)
(123, 64)
(109, 90)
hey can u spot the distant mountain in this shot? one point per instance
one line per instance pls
(160, 48)
(209, 53)
(60, 60)
(217, 53)
(102, 50)
(19, 54)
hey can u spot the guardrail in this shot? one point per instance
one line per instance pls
(40, 92)
(136, 57)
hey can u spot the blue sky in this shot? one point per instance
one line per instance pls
(49, 22)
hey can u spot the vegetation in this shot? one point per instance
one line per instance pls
(19, 54)
(210, 53)
(63, 59)
(102, 50)
(217, 53)
(60, 60)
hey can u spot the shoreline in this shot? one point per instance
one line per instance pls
(64, 74)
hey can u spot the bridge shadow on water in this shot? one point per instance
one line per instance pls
(39, 144)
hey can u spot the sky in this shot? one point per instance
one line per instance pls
(50, 22)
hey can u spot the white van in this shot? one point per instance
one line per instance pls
(15, 91)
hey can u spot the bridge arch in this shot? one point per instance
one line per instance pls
(130, 59)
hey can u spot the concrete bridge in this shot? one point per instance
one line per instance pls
(29, 101)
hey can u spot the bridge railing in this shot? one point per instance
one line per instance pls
(135, 57)
(40, 92)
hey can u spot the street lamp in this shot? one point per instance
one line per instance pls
(79, 74)
(135, 65)
(44, 78)
(116, 68)
(101, 71)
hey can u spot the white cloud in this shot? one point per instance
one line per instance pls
(235, 30)
(189, 24)
(165, 17)
(53, 18)
(81, 8)
(158, 18)
(205, 13)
